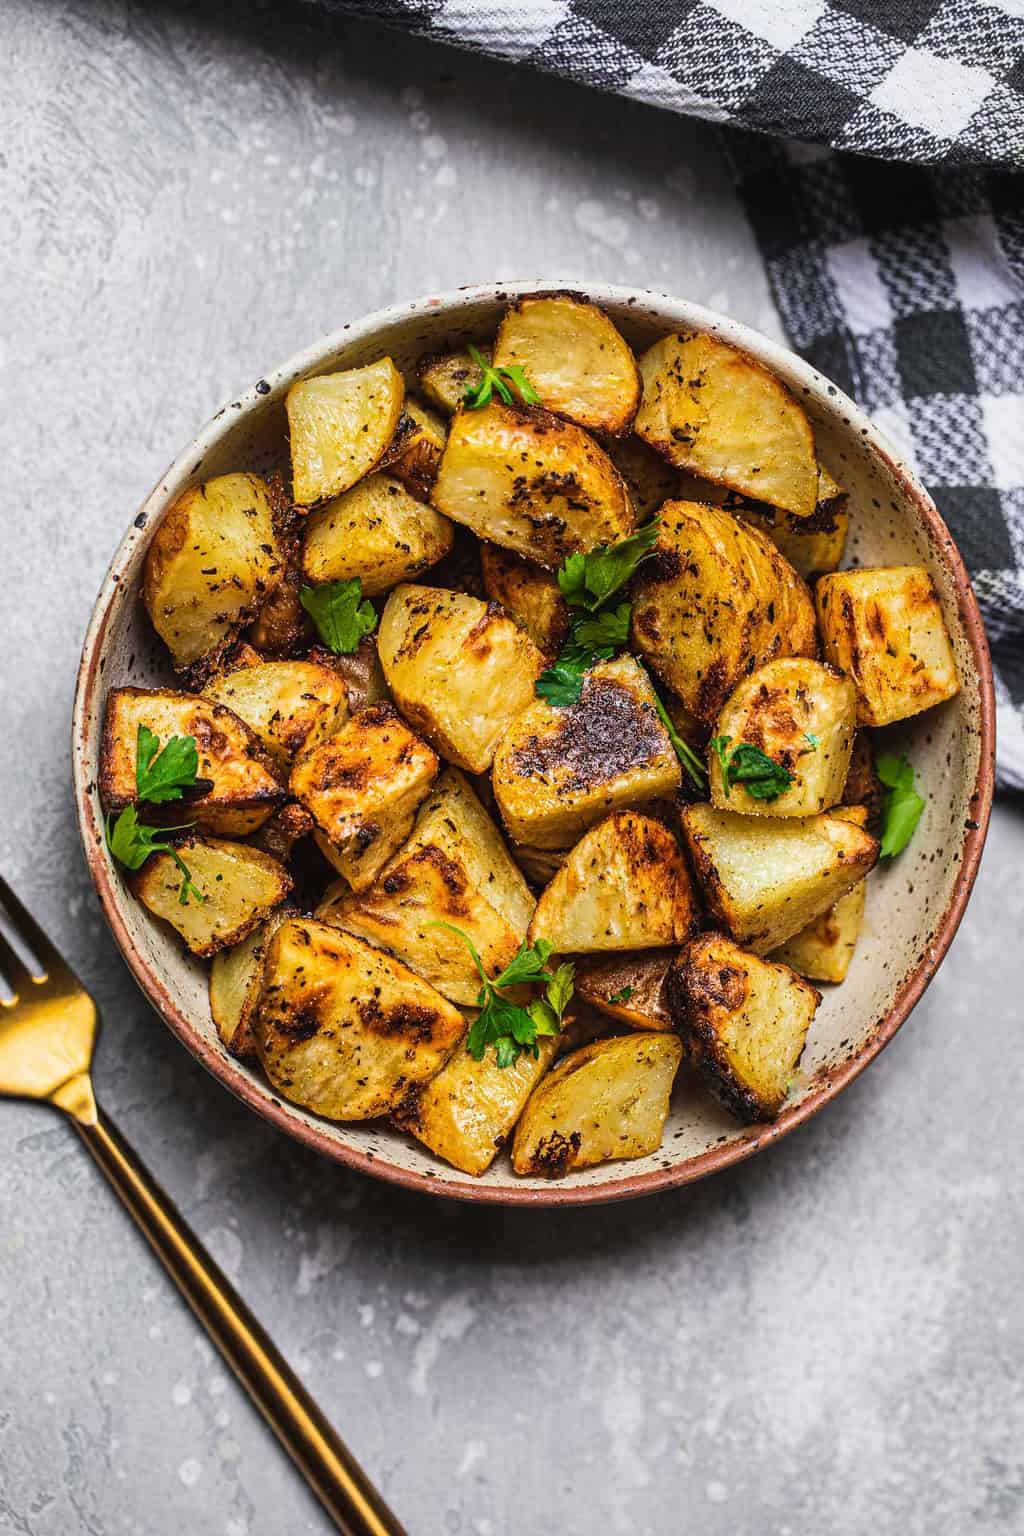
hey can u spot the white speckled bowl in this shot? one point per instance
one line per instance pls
(913, 909)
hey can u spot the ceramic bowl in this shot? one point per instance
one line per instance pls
(913, 907)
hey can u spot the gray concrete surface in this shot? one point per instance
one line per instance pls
(827, 1340)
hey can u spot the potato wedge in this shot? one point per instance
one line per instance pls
(885, 628)
(744, 1020)
(363, 788)
(813, 545)
(522, 477)
(238, 786)
(344, 1029)
(557, 771)
(765, 880)
(239, 885)
(574, 358)
(213, 559)
(607, 1100)
(416, 449)
(444, 377)
(288, 705)
(341, 425)
(823, 951)
(236, 986)
(624, 886)
(459, 670)
(715, 599)
(713, 410)
(649, 479)
(377, 531)
(630, 987)
(803, 715)
(529, 593)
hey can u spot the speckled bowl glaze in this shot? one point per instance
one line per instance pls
(913, 908)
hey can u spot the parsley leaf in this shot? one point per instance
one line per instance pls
(561, 684)
(162, 775)
(341, 614)
(507, 1025)
(685, 753)
(761, 776)
(496, 381)
(606, 631)
(131, 842)
(622, 996)
(902, 808)
(588, 581)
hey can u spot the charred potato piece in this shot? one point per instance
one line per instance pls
(715, 411)
(624, 886)
(444, 377)
(341, 425)
(529, 593)
(649, 479)
(416, 449)
(459, 670)
(630, 987)
(213, 559)
(286, 704)
(239, 887)
(813, 545)
(802, 714)
(608, 1100)
(522, 477)
(361, 672)
(885, 628)
(715, 599)
(236, 986)
(344, 1029)
(745, 1021)
(279, 834)
(377, 531)
(574, 358)
(863, 786)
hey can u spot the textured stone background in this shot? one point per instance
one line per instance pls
(828, 1339)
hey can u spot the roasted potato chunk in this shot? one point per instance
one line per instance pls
(239, 887)
(361, 672)
(649, 479)
(745, 1021)
(213, 558)
(715, 599)
(624, 886)
(444, 377)
(557, 771)
(529, 593)
(237, 786)
(574, 358)
(344, 1029)
(802, 714)
(522, 477)
(286, 704)
(459, 670)
(280, 832)
(812, 545)
(416, 449)
(377, 531)
(885, 628)
(765, 880)
(863, 786)
(630, 987)
(363, 788)
(608, 1100)
(824, 949)
(713, 410)
(341, 425)
(236, 986)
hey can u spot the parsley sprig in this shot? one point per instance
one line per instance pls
(685, 753)
(160, 775)
(132, 842)
(511, 1027)
(901, 810)
(341, 614)
(761, 776)
(497, 381)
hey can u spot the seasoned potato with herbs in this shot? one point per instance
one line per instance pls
(649, 479)
(802, 714)
(608, 1100)
(286, 704)
(630, 987)
(522, 477)
(715, 599)
(624, 886)
(341, 425)
(764, 881)
(885, 628)
(363, 788)
(416, 449)
(444, 377)
(559, 770)
(236, 986)
(238, 887)
(344, 1029)
(813, 545)
(715, 411)
(458, 669)
(745, 1021)
(575, 359)
(213, 559)
(377, 531)
(529, 593)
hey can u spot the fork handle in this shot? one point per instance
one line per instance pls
(331, 1470)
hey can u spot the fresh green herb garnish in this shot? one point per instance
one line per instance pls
(902, 808)
(162, 774)
(509, 1026)
(341, 614)
(588, 581)
(131, 842)
(685, 753)
(761, 776)
(622, 996)
(813, 743)
(496, 381)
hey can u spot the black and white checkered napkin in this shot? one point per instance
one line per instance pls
(904, 282)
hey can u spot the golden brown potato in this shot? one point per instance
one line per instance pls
(444, 377)
(363, 788)
(608, 1100)
(286, 704)
(716, 598)
(649, 479)
(237, 786)
(800, 713)
(341, 425)
(239, 887)
(344, 1029)
(575, 359)
(539, 865)
(557, 771)
(744, 1020)
(377, 531)
(630, 987)
(824, 949)
(713, 410)
(885, 628)
(863, 786)
(459, 669)
(280, 832)
(416, 449)
(529, 593)
(523, 478)
(812, 545)
(624, 886)
(236, 986)
(213, 559)
(765, 880)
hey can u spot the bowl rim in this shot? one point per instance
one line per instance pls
(829, 1084)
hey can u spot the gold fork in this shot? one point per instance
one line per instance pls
(47, 1035)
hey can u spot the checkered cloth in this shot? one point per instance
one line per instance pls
(904, 282)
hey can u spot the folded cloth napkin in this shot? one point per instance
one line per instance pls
(903, 281)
